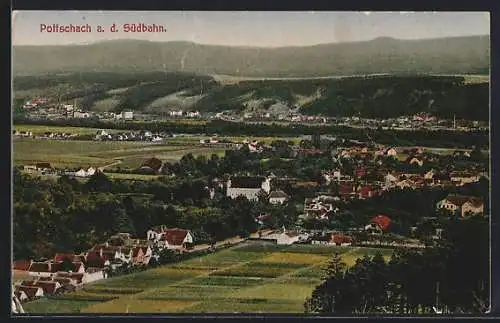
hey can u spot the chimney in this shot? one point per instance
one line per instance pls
(49, 266)
(100, 252)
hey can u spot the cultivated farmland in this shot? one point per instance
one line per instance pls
(75, 153)
(244, 278)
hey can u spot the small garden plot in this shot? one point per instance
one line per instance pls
(138, 306)
(150, 278)
(112, 290)
(231, 282)
(246, 306)
(297, 292)
(312, 272)
(187, 293)
(86, 296)
(56, 306)
(294, 258)
(266, 270)
(312, 281)
(318, 249)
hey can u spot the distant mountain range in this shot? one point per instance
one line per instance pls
(457, 55)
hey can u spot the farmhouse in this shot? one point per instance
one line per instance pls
(462, 205)
(247, 186)
(277, 197)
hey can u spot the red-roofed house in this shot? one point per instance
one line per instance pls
(98, 259)
(379, 224)
(340, 239)
(31, 291)
(176, 238)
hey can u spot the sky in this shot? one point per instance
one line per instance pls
(250, 28)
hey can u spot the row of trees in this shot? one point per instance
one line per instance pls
(451, 278)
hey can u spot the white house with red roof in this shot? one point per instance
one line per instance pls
(171, 238)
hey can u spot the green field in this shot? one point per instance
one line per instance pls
(40, 130)
(73, 153)
(245, 278)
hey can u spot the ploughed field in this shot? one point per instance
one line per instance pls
(242, 279)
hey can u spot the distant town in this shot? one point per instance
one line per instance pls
(49, 109)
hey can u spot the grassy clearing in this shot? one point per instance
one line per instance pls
(87, 296)
(72, 153)
(228, 281)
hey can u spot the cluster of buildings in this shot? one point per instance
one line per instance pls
(47, 169)
(186, 114)
(66, 271)
(143, 135)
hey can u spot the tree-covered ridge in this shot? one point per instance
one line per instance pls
(370, 97)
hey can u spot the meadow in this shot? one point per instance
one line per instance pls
(123, 154)
(248, 278)
(76, 153)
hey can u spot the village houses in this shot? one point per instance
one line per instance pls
(462, 205)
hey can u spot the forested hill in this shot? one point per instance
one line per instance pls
(375, 96)
(455, 55)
